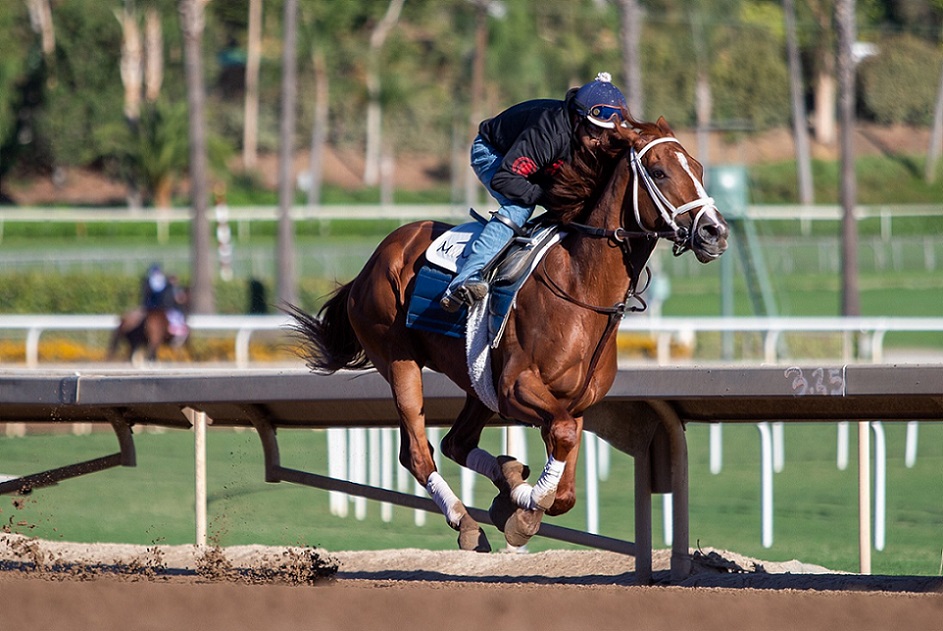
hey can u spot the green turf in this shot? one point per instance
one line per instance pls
(815, 504)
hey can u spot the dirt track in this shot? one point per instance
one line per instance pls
(54, 585)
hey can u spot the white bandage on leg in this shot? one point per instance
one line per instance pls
(482, 462)
(445, 499)
(531, 497)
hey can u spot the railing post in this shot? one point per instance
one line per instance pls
(242, 347)
(32, 346)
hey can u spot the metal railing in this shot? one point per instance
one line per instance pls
(868, 332)
(242, 327)
(804, 214)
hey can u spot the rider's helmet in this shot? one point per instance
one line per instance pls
(598, 101)
(155, 278)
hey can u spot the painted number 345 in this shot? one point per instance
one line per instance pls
(826, 381)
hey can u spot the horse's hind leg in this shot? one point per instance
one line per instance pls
(405, 379)
(461, 443)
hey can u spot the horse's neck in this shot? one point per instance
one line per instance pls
(600, 262)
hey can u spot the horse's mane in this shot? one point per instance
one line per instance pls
(580, 181)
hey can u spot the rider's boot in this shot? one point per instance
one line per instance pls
(468, 293)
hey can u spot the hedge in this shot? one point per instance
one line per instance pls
(96, 292)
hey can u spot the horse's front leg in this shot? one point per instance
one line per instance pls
(565, 495)
(555, 490)
(522, 509)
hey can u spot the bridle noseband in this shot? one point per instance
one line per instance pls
(683, 238)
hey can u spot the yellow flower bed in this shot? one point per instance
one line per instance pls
(54, 349)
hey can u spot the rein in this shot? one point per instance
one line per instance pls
(614, 313)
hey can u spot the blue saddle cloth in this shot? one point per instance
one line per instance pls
(424, 313)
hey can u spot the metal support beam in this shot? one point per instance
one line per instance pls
(124, 458)
(274, 472)
(680, 553)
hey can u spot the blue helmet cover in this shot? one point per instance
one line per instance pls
(599, 101)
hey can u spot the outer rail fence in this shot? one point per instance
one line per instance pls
(643, 415)
(870, 331)
(805, 214)
(240, 327)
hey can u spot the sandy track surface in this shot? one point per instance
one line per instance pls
(57, 585)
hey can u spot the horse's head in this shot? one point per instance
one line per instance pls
(674, 203)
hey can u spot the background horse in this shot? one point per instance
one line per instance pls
(141, 330)
(622, 190)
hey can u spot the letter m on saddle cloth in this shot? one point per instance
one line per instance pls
(506, 274)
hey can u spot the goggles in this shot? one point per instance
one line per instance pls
(601, 114)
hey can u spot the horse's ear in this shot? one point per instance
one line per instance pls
(664, 126)
(628, 131)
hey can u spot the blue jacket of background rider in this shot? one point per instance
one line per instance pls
(156, 291)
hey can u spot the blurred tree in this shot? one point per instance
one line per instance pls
(192, 23)
(132, 77)
(40, 16)
(631, 15)
(800, 131)
(83, 92)
(749, 77)
(378, 35)
(823, 56)
(57, 109)
(846, 35)
(250, 134)
(898, 84)
(285, 245)
(936, 136)
(21, 65)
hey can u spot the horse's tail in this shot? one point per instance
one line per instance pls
(328, 341)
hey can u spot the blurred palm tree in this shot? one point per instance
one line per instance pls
(154, 154)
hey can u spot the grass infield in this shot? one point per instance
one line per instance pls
(815, 514)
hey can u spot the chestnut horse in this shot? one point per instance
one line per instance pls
(557, 356)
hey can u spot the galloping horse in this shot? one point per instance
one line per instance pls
(141, 330)
(557, 356)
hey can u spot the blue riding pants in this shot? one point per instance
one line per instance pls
(485, 161)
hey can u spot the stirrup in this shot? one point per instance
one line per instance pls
(468, 293)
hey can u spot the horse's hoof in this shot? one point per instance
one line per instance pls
(521, 526)
(471, 537)
(501, 510)
(517, 524)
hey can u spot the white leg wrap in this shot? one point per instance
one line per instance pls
(530, 497)
(482, 462)
(445, 499)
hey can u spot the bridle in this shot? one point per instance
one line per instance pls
(682, 237)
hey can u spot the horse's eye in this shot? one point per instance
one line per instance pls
(658, 174)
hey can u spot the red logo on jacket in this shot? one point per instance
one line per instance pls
(524, 166)
(553, 168)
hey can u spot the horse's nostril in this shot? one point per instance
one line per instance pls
(709, 232)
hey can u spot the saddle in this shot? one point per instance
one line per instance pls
(505, 274)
